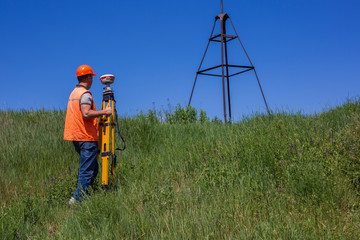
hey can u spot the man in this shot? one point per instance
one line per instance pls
(81, 127)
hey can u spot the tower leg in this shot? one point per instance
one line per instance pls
(227, 70)
(207, 46)
(257, 78)
(222, 66)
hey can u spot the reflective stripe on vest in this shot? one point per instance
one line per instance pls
(76, 127)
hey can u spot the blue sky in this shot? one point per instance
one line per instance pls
(307, 53)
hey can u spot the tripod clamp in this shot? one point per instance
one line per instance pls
(108, 93)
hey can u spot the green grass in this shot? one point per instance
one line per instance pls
(285, 176)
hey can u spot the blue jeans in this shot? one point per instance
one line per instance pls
(88, 167)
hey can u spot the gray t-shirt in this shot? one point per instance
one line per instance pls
(86, 98)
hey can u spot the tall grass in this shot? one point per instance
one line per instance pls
(266, 177)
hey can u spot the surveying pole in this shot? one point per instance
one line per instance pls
(107, 125)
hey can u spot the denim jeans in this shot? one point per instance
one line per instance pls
(88, 167)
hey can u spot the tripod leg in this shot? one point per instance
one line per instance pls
(105, 149)
(113, 142)
(101, 122)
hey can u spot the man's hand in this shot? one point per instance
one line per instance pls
(108, 111)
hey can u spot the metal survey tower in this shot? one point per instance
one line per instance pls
(224, 38)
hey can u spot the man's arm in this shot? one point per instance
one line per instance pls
(88, 113)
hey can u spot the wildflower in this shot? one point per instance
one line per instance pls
(295, 149)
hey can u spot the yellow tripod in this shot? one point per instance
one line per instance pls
(107, 125)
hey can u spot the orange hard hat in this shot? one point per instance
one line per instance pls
(84, 70)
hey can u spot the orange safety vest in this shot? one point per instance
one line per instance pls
(76, 127)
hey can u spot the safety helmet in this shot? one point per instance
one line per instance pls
(84, 70)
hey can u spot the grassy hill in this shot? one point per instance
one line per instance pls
(267, 177)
